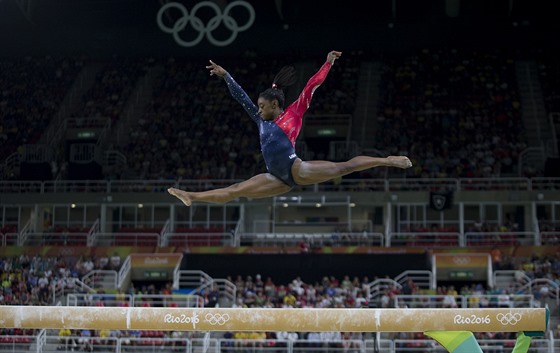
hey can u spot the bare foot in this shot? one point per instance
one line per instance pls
(181, 195)
(399, 162)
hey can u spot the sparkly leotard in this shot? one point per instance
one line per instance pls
(278, 136)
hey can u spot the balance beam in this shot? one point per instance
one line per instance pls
(274, 319)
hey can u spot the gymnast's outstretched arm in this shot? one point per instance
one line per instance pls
(235, 89)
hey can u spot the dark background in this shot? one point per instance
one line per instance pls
(283, 268)
(129, 28)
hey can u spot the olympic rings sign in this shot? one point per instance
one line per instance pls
(461, 260)
(196, 24)
(508, 318)
(216, 319)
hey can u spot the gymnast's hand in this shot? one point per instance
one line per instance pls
(216, 69)
(333, 55)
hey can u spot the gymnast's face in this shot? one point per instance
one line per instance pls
(268, 109)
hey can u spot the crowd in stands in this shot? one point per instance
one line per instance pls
(112, 87)
(193, 129)
(34, 280)
(416, 101)
(31, 92)
(189, 128)
(30, 280)
(549, 75)
(25, 278)
(339, 92)
(457, 113)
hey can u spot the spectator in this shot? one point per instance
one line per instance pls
(66, 341)
(84, 341)
(115, 261)
(213, 297)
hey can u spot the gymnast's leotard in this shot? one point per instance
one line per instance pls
(278, 136)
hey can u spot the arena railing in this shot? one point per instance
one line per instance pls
(487, 345)
(513, 279)
(500, 238)
(136, 238)
(423, 279)
(94, 299)
(312, 239)
(11, 239)
(163, 300)
(198, 239)
(106, 279)
(56, 239)
(13, 343)
(454, 239)
(155, 342)
(550, 237)
(427, 301)
(465, 301)
(383, 185)
(194, 281)
(294, 238)
(552, 288)
(227, 289)
(434, 239)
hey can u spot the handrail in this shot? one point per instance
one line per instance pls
(27, 229)
(106, 277)
(124, 273)
(421, 278)
(385, 185)
(554, 291)
(92, 233)
(161, 300)
(41, 340)
(164, 230)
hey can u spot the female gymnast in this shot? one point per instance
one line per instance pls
(278, 129)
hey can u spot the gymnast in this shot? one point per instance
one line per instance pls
(279, 129)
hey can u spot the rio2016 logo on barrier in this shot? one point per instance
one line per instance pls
(182, 319)
(471, 319)
(197, 25)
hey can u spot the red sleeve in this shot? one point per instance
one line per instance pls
(291, 120)
(304, 99)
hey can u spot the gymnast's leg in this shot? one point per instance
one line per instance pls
(261, 185)
(313, 172)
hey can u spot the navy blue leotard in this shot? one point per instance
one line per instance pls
(278, 136)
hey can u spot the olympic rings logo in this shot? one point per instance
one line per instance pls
(216, 319)
(508, 318)
(190, 18)
(461, 260)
